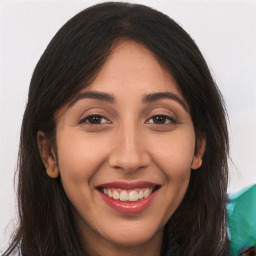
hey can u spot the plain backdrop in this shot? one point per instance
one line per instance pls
(225, 31)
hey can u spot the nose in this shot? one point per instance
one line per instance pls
(129, 150)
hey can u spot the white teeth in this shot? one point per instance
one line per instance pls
(109, 192)
(146, 193)
(133, 196)
(141, 194)
(128, 195)
(115, 194)
(123, 196)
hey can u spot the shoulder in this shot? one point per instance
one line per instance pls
(241, 209)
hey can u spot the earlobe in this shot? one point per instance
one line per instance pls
(53, 171)
(197, 163)
(198, 157)
(47, 155)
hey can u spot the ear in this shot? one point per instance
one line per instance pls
(48, 155)
(199, 153)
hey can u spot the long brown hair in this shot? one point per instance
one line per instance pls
(72, 59)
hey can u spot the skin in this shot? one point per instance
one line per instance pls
(126, 145)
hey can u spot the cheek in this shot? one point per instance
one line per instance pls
(78, 158)
(175, 154)
(174, 159)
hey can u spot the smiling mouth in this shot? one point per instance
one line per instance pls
(131, 195)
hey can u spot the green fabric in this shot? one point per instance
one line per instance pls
(242, 219)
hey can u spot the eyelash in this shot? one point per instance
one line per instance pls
(165, 117)
(86, 119)
(100, 117)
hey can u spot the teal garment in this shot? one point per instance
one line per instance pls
(241, 210)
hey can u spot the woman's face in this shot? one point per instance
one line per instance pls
(125, 149)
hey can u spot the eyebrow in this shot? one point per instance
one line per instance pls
(93, 95)
(164, 95)
(110, 98)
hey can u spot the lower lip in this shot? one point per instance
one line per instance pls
(129, 207)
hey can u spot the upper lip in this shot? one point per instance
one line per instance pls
(128, 185)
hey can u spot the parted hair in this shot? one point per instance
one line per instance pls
(70, 62)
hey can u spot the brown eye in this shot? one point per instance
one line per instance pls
(161, 119)
(95, 119)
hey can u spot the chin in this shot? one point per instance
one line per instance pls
(134, 236)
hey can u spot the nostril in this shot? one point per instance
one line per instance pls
(129, 162)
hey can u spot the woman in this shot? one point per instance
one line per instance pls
(124, 142)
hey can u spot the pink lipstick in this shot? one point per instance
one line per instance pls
(128, 198)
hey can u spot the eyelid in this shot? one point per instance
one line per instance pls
(84, 119)
(171, 118)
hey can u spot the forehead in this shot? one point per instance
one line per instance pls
(132, 74)
(132, 67)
